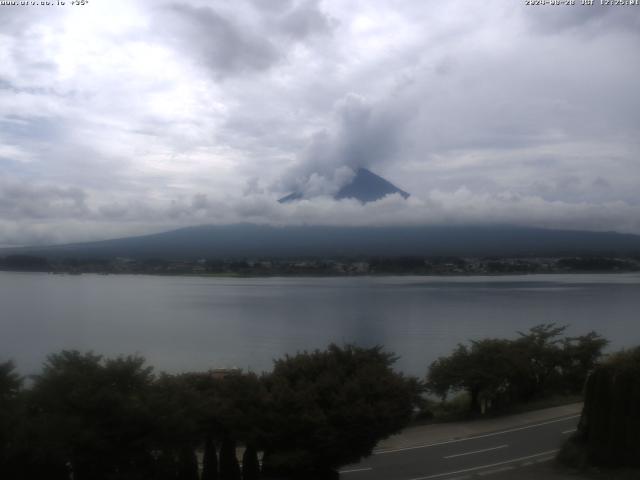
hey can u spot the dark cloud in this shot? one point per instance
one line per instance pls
(584, 20)
(364, 136)
(304, 20)
(216, 41)
(21, 201)
(231, 44)
(130, 117)
(272, 6)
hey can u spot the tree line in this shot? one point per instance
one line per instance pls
(499, 373)
(609, 429)
(94, 418)
(88, 417)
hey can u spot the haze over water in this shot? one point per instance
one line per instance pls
(192, 323)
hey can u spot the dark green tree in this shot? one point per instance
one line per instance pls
(11, 421)
(610, 423)
(329, 408)
(165, 466)
(250, 464)
(580, 356)
(229, 467)
(92, 414)
(187, 464)
(497, 373)
(236, 407)
(538, 359)
(232, 409)
(178, 421)
(209, 460)
(446, 374)
(484, 370)
(10, 382)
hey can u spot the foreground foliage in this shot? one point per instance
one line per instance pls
(328, 409)
(609, 430)
(499, 373)
(92, 418)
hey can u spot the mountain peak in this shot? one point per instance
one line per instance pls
(365, 186)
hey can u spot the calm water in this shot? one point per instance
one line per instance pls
(181, 323)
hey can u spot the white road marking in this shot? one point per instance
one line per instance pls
(476, 451)
(482, 467)
(393, 450)
(567, 432)
(353, 470)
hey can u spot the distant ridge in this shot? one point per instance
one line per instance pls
(249, 240)
(366, 187)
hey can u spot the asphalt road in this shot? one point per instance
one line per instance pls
(465, 458)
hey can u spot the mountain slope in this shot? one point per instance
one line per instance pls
(365, 186)
(247, 240)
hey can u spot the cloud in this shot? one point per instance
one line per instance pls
(215, 41)
(19, 201)
(129, 117)
(363, 136)
(235, 41)
(304, 20)
(591, 21)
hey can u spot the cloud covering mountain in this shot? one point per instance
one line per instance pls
(121, 118)
(362, 185)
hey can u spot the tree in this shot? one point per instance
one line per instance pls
(10, 420)
(177, 426)
(580, 356)
(10, 382)
(209, 460)
(330, 408)
(229, 468)
(610, 423)
(25, 262)
(499, 372)
(92, 414)
(446, 374)
(539, 358)
(235, 407)
(200, 408)
(250, 464)
(484, 370)
(187, 464)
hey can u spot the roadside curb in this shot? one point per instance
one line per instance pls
(425, 435)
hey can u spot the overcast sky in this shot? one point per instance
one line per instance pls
(123, 117)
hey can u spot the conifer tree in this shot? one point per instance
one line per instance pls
(187, 464)
(229, 468)
(250, 464)
(210, 460)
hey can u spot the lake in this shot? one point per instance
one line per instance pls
(196, 323)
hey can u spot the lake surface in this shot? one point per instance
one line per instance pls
(191, 323)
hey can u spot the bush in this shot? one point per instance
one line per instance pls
(330, 408)
(610, 423)
(499, 373)
(573, 453)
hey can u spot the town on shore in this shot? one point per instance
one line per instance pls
(325, 266)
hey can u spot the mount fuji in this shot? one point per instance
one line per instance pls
(366, 187)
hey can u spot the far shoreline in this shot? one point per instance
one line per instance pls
(330, 276)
